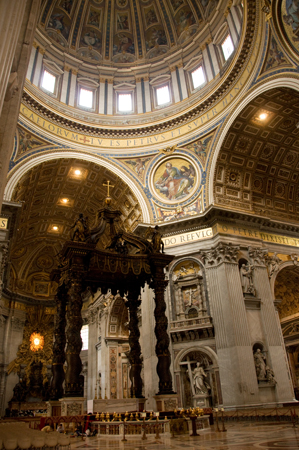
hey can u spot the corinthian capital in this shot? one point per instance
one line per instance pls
(258, 255)
(222, 253)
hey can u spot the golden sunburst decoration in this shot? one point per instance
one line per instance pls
(36, 342)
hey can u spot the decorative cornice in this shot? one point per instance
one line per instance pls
(192, 114)
(216, 213)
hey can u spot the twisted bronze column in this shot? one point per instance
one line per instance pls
(73, 380)
(134, 356)
(162, 346)
(56, 389)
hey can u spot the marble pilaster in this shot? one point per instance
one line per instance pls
(139, 97)
(233, 342)
(236, 18)
(214, 59)
(208, 67)
(183, 82)
(64, 85)
(275, 353)
(232, 29)
(175, 87)
(72, 93)
(38, 67)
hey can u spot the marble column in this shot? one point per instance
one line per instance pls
(232, 336)
(73, 384)
(134, 356)
(56, 390)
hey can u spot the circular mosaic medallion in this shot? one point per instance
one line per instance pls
(175, 179)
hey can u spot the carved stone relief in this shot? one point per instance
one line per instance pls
(74, 409)
(190, 297)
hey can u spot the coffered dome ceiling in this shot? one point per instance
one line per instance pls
(258, 164)
(123, 31)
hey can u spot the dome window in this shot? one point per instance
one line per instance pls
(198, 77)
(125, 103)
(227, 47)
(86, 98)
(87, 90)
(163, 95)
(48, 81)
(50, 78)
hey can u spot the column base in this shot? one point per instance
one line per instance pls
(72, 406)
(166, 402)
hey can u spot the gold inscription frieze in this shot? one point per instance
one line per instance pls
(227, 229)
(3, 223)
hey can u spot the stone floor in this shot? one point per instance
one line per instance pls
(239, 436)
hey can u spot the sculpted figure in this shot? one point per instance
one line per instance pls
(270, 375)
(200, 386)
(273, 264)
(80, 229)
(156, 239)
(246, 272)
(260, 364)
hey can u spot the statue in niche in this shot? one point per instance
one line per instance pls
(263, 371)
(246, 274)
(198, 378)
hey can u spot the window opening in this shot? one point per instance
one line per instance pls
(125, 102)
(163, 95)
(198, 77)
(227, 47)
(85, 98)
(49, 81)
